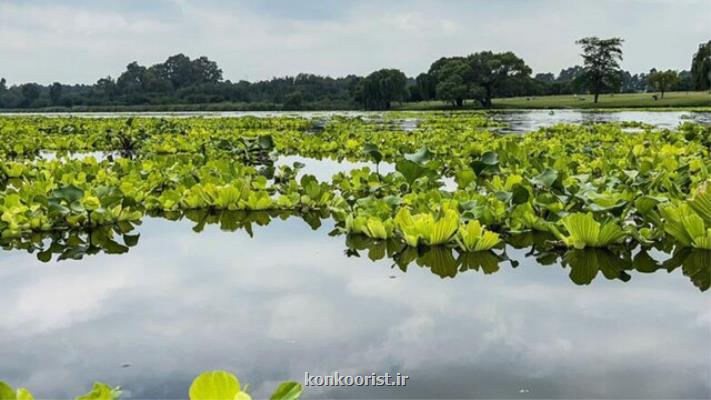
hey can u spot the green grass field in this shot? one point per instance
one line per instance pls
(618, 100)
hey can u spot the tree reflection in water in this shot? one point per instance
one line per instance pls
(585, 265)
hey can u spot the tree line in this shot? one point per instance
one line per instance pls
(480, 76)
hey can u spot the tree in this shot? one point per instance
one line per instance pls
(3, 89)
(546, 77)
(453, 89)
(425, 85)
(685, 82)
(494, 71)
(663, 80)
(701, 67)
(157, 80)
(453, 77)
(179, 70)
(105, 89)
(570, 74)
(600, 63)
(206, 71)
(55, 93)
(294, 101)
(379, 89)
(133, 80)
(30, 93)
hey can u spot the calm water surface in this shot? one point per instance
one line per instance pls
(530, 120)
(292, 299)
(517, 120)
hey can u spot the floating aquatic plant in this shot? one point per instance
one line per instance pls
(474, 237)
(584, 231)
(209, 385)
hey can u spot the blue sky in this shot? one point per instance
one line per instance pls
(81, 41)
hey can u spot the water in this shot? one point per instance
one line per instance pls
(50, 155)
(530, 120)
(324, 169)
(289, 300)
(271, 298)
(518, 121)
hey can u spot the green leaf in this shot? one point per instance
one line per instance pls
(69, 194)
(411, 170)
(490, 158)
(101, 391)
(584, 231)
(287, 391)
(520, 194)
(701, 202)
(24, 394)
(645, 205)
(488, 163)
(7, 392)
(421, 156)
(546, 178)
(464, 178)
(266, 142)
(373, 152)
(442, 230)
(214, 385)
(44, 256)
(131, 240)
(473, 237)
(242, 396)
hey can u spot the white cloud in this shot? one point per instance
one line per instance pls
(69, 43)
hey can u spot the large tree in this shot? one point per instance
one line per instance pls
(601, 63)
(30, 93)
(425, 85)
(206, 71)
(379, 89)
(55, 93)
(494, 71)
(133, 79)
(701, 67)
(179, 70)
(453, 77)
(662, 80)
(481, 76)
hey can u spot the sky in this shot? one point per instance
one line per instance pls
(74, 41)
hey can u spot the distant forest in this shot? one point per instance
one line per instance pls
(195, 83)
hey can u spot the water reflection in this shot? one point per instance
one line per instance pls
(530, 120)
(518, 120)
(74, 245)
(441, 261)
(273, 300)
(585, 265)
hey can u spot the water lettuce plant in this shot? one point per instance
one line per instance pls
(584, 183)
(584, 231)
(689, 222)
(425, 228)
(686, 226)
(7, 392)
(209, 385)
(474, 237)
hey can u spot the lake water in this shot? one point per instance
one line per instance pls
(293, 299)
(271, 298)
(518, 120)
(529, 120)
